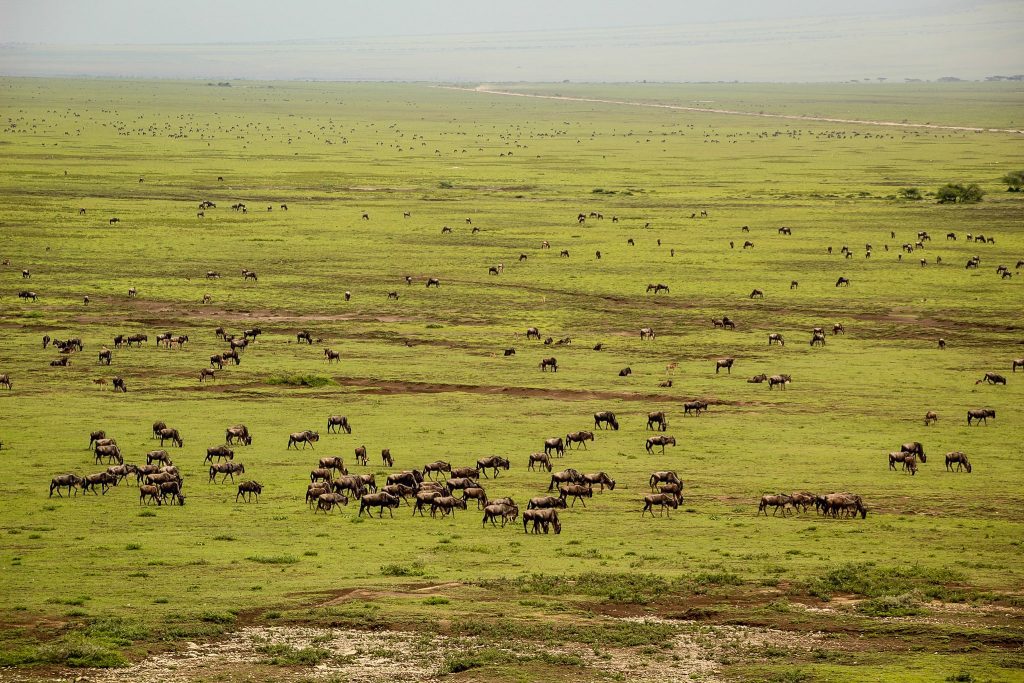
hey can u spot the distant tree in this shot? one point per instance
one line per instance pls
(955, 193)
(910, 193)
(1014, 181)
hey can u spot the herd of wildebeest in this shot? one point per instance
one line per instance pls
(331, 485)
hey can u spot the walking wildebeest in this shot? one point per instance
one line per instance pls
(542, 518)
(569, 476)
(657, 418)
(247, 489)
(207, 373)
(549, 363)
(541, 458)
(160, 456)
(436, 466)
(600, 479)
(656, 288)
(379, 500)
(580, 438)
(25, 294)
(506, 511)
(336, 421)
(219, 452)
(228, 469)
(697, 407)
(662, 441)
(980, 414)
(605, 417)
(543, 502)
(664, 500)
(69, 481)
(306, 437)
(554, 444)
(577, 491)
(494, 463)
(781, 501)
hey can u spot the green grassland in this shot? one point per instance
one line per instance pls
(927, 586)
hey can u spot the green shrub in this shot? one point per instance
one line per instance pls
(273, 559)
(955, 193)
(411, 569)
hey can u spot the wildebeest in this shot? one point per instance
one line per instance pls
(605, 417)
(325, 502)
(1017, 363)
(818, 339)
(336, 421)
(664, 500)
(477, 493)
(577, 492)
(250, 275)
(152, 493)
(776, 338)
(843, 282)
(781, 501)
(697, 407)
(436, 466)
(780, 380)
(333, 463)
(157, 426)
(838, 329)
(160, 456)
(231, 355)
(247, 489)
(726, 363)
(26, 294)
(219, 452)
(68, 481)
(980, 414)
(834, 503)
(600, 479)
(304, 336)
(565, 477)
(105, 356)
(60, 362)
(646, 333)
(321, 474)
(238, 433)
(207, 373)
(547, 363)
(625, 372)
(542, 518)
(510, 352)
(758, 379)
(217, 361)
(507, 512)
(379, 500)
(169, 433)
(662, 441)
(93, 436)
(306, 437)
(897, 458)
(658, 288)
(332, 355)
(657, 418)
(109, 451)
(433, 282)
(385, 456)
(361, 455)
(541, 458)
(914, 448)
(959, 459)
(118, 383)
(930, 417)
(228, 469)
(493, 463)
(532, 332)
(942, 344)
(757, 294)
(543, 502)
(580, 438)
(992, 378)
(103, 479)
(554, 444)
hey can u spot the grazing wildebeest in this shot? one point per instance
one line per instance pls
(212, 274)
(757, 294)
(132, 292)
(532, 332)
(599, 479)
(247, 489)
(152, 493)
(992, 378)
(238, 433)
(433, 282)
(6, 381)
(207, 373)
(724, 363)
(960, 459)
(818, 339)
(118, 383)
(551, 363)
(696, 407)
(160, 456)
(541, 458)
(748, 245)
(664, 500)
(172, 434)
(646, 333)
(930, 417)
(493, 463)
(758, 379)
(606, 417)
(219, 452)
(336, 421)
(897, 458)
(942, 344)
(510, 352)
(580, 438)
(657, 418)
(914, 448)
(69, 481)
(838, 329)
(98, 435)
(231, 355)
(794, 284)
(781, 501)
(554, 444)
(60, 362)
(542, 518)
(658, 288)
(1017, 363)
(25, 294)
(105, 356)
(326, 502)
(250, 275)
(775, 337)
(436, 466)
(330, 354)
(564, 253)
(662, 441)
(306, 437)
(385, 456)
(304, 336)
(228, 469)
(910, 463)
(843, 282)
(665, 383)
(625, 372)
(980, 414)
(379, 500)
(506, 511)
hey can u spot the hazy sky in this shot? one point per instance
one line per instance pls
(790, 40)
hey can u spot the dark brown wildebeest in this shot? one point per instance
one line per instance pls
(60, 362)
(207, 373)
(219, 452)
(252, 334)
(93, 436)
(758, 379)
(169, 433)
(577, 491)
(915, 448)
(433, 282)
(658, 288)
(675, 490)
(465, 473)
(930, 417)
(818, 339)
(541, 458)
(493, 463)
(6, 381)
(103, 479)
(662, 441)
(564, 253)
(980, 414)
(780, 380)
(510, 352)
(910, 463)
(569, 476)
(250, 275)
(238, 433)
(551, 363)
(625, 372)
(665, 383)
(544, 502)
(605, 417)
(776, 338)
(379, 500)
(549, 341)
(580, 438)
(118, 383)
(361, 455)
(348, 295)
(757, 294)
(436, 466)
(152, 493)
(157, 426)
(385, 456)
(304, 336)
(336, 421)
(69, 481)
(247, 489)
(600, 479)
(1017, 363)
(410, 478)
(46, 340)
(447, 505)
(838, 329)
(105, 356)
(212, 274)
(228, 469)
(217, 361)
(545, 518)
(327, 501)
(110, 451)
(172, 490)
(646, 333)
(657, 418)
(895, 458)
(663, 500)
(306, 437)
(794, 284)
(132, 292)
(726, 363)
(959, 459)
(942, 344)
(347, 483)
(330, 354)
(843, 282)
(160, 456)
(321, 474)
(748, 245)
(119, 472)
(697, 407)
(780, 501)
(424, 499)
(476, 493)
(554, 444)
(532, 332)
(507, 512)
(496, 270)
(992, 378)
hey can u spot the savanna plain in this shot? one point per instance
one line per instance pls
(925, 586)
